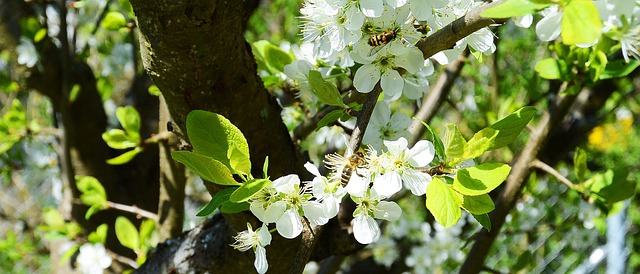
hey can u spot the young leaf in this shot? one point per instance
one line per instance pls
(580, 163)
(130, 121)
(480, 142)
(93, 192)
(124, 157)
(553, 69)
(265, 167)
(513, 8)
(326, 92)
(100, 235)
(480, 179)
(276, 57)
(480, 204)
(454, 143)
(206, 167)
(329, 118)
(484, 220)
(231, 207)
(248, 189)
(118, 139)
(113, 20)
(239, 161)
(217, 200)
(509, 127)
(127, 233)
(612, 186)
(581, 23)
(147, 227)
(619, 68)
(441, 202)
(213, 135)
(435, 139)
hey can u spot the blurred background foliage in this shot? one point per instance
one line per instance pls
(552, 230)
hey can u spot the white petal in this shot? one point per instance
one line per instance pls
(264, 236)
(389, 211)
(365, 229)
(523, 21)
(381, 114)
(387, 184)
(357, 186)
(366, 78)
(260, 262)
(416, 181)
(286, 184)
(355, 18)
(371, 8)
(396, 147)
(258, 211)
(314, 213)
(289, 225)
(312, 169)
(548, 28)
(274, 212)
(412, 61)
(392, 83)
(400, 122)
(421, 154)
(330, 206)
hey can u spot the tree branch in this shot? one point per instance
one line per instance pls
(548, 169)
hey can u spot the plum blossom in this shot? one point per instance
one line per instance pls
(256, 240)
(93, 258)
(403, 167)
(385, 126)
(365, 227)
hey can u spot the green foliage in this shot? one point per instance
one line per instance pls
(454, 143)
(55, 226)
(248, 190)
(619, 69)
(114, 20)
(510, 127)
(269, 57)
(20, 253)
(220, 198)
(206, 167)
(441, 202)
(553, 69)
(580, 163)
(581, 22)
(327, 93)
(13, 126)
(139, 241)
(513, 8)
(214, 136)
(93, 194)
(480, 179)
(128, 138)
(100, 235)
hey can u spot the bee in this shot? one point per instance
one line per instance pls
(436, 170)
(422, 28)
(377, 41)
(344, 168)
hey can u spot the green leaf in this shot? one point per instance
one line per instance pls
(42, 33)
(114, 20)
(154, 90)
(206, 167)
(580, 163)
(248, 189)
(612, 186)
(147, 228)
(329, 118)
(480, 142)
(276, 57)
(484, 220)
(258, 49)
(510, 127)
(16, 117)
(525, 259)
(100, 235)
(581, 23)
(619, 69)
(52, 218)
(480, 179)
(435, 139)
(231, 207)
(553, 69)
(130, 121)
(217, 200)
(127, 233)
(73, 94)
(119, 139)
(513, 8)
(326, 92)
(124, 157)
(213, 135)
(239, 161)
(441, 202)
(454, 144)
(265, 167)
(479, 205)
(92, 192)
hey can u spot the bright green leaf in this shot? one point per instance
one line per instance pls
(612, 186)
(619, 68)
(238, 160)
(52, 218)
(100, 235)
(581, 23)
(553, 69)
(454, 143)
(276, 57)
(124, 157)
(441, 202)
(248, 189)
(480, 142)
(580, 163)
(130, 121)
(73, 94)
(42, 33)
(217, 200)
(114, 20)
(213, 135)
(92, 191)
(154, 90)
(480, 179)
(16, 117)
(513, 8)
(206, 167)
(118, 139)
(265, 167)
(510, 127)
(480, 204)
(127, 233)
(326, 92)
(147, 228)
(484, 220)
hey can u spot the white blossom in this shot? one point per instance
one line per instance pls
(93, 258)
(255, 240)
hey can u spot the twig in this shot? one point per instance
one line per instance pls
(133, 209)
(548, 169)
(363, 118)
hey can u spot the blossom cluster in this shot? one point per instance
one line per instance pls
(289, 203)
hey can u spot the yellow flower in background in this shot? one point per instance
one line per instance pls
(608, 135)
